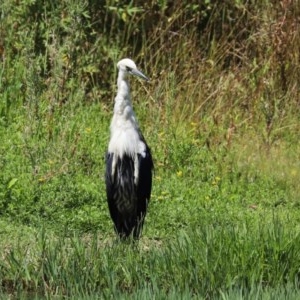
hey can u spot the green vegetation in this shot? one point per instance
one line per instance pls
(221, 114)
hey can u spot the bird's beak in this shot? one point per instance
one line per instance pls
(139, 74)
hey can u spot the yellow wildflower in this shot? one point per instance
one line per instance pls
(179, 173)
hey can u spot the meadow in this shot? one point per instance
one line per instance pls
(220, 113)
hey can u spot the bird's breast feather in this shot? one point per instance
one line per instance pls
(126, 141)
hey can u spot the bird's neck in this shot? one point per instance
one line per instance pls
(124, 127)
(122, 100)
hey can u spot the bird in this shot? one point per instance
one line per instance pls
(129, 163)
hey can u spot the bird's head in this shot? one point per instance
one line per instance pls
(129, 67)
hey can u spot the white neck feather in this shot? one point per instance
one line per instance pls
(125, 138)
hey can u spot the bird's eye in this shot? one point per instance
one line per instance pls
(128, 69)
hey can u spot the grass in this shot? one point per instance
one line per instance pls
(221, 115)
(215, 258)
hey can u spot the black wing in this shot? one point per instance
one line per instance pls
(121, 194)
(144, 185)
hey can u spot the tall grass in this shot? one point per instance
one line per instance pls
(221, 114)
(213, 260)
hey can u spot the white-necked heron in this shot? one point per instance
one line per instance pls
(129, 162)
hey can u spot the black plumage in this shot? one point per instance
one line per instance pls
(127, 199)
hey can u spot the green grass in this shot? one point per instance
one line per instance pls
(214, 258)
(221, 114)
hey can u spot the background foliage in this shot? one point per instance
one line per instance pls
(221, 114)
